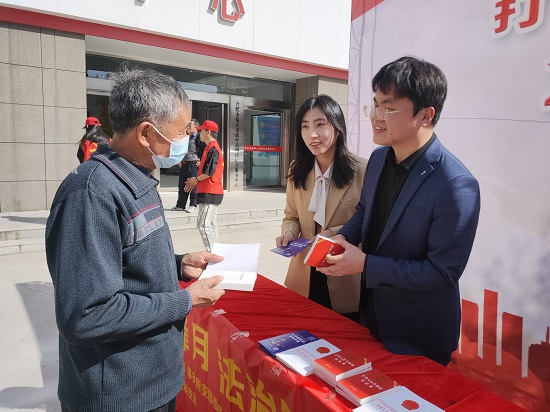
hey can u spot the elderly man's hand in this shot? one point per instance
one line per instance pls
(194, 263)
(202, 292)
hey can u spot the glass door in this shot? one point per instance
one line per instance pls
(262, 153)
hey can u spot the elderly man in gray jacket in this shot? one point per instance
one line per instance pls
(119, 308)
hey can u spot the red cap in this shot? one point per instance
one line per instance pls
(208, 125)
(91, 121)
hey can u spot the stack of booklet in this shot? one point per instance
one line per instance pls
(298, 350)
(400, 400)
(350, 373)
(340, 365)
(366, 386)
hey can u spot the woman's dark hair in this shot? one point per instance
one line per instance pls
(421, 82)
(343, 170)
(95, 133)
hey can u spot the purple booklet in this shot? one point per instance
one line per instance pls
(286, 341)
(293, 248)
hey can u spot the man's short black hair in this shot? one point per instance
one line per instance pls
(417, 80)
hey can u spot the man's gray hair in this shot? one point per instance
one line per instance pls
(143, 95)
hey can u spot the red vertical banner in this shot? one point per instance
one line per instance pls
(490, 326)
(512, 327)
(470, 329)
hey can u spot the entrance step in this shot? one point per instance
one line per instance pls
(22, 234)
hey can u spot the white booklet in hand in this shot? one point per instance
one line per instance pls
(239, 268)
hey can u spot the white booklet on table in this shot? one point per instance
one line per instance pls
(239, 268)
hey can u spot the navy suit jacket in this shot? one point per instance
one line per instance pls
(422, 252)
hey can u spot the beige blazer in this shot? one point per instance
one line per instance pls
(344, 290)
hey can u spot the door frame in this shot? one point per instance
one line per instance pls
(232, 129)
(236, 138)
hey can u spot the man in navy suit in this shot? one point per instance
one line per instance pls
(416, 219)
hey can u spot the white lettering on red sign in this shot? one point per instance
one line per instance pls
(257, 148)
(237, 11)
(237, 138)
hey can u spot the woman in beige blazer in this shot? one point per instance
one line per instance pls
(324, 185)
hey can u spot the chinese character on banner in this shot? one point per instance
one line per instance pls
(261, 401)
(228, 380)
(200, 345)
(522, 15)
(185, 337)
(235, 14)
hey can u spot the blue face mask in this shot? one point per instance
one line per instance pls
(178, 149)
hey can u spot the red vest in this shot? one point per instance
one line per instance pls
(88, 148)
(215, 183)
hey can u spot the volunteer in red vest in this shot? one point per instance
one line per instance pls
(209, 184)
(93, 136)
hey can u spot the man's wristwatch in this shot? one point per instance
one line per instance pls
(196, 177)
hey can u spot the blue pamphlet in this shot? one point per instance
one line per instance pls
(293, 248)
(286, 341)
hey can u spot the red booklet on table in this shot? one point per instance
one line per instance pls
(401, 400)
(340, 365)
(319, 250)
(366, 386)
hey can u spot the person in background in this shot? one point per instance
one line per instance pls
(324, 183)
(209, 184)
(119, 307)
(416, 220)
(189, 167)
(93, 136)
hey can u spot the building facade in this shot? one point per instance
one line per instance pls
(245, 64)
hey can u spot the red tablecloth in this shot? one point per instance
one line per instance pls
(226, 371)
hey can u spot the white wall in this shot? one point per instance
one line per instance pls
(311, 31)
(494, 120)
